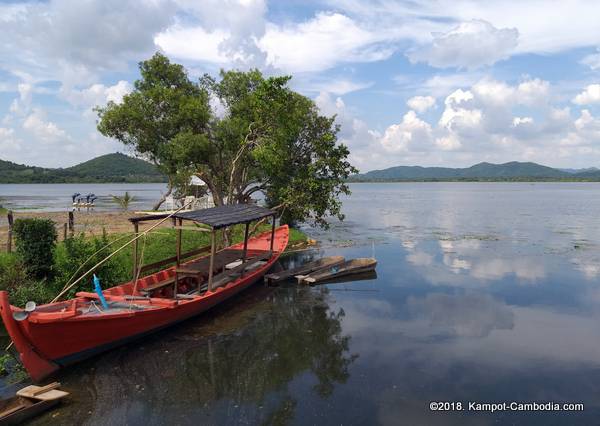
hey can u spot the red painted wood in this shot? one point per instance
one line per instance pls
(57, 333)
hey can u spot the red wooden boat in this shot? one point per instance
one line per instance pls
(58, 334)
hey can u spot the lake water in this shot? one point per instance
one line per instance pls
(57, 197)
(485, 292)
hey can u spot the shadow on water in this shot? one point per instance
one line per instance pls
(235, 364)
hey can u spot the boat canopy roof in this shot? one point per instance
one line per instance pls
(219, 217)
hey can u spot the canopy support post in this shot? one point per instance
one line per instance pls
(273, 234)
(178, 261)
(245, 252)
(136, 229)
(212, 259)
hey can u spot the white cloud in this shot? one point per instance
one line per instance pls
(97, 35)
(421, 103)
(322, 42)
(469, 45)
(23, 103)
(336, 85)
(98, 94)
(410, 134)
(193, 43)
(545, 33)
(45, 131)
(9, 143)
(590, 95)
(592, 60)
(458, 113)
(448, 143)
(522, 121)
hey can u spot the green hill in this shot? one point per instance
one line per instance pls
(513, 170)
(115, 167)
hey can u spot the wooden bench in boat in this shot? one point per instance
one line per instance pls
(254, 262)
(227, 276)
(200, 266)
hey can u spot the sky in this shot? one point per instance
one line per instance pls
(419, 82)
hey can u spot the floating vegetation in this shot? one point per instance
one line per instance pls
(446, 236)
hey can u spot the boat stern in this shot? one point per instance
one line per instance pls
(36, 365)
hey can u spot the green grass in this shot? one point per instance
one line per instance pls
(156, 246)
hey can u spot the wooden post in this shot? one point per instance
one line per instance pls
(273, 234)
(178, 261)
(212, 259)
(72, 223)
(10, 231)
(245, 252)
(64, 231)
(136, 230)
(179, 232)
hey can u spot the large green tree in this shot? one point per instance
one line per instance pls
(163, 104)
(242, 133)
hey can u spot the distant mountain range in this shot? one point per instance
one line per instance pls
(513, 171)
(115, 167)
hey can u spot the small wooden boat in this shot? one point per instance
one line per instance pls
(349, 267)
(29, 402)
(51, 336)
(305, 269)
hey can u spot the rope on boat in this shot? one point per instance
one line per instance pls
(91, 257)
(140, 235)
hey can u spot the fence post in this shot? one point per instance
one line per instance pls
(10, 231)
(72, 223)
(64, 231)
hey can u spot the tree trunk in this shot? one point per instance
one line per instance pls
(165, 195)
(216, 194)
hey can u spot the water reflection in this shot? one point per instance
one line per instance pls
(238, 365)
(483, 292)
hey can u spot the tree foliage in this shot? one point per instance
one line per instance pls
(241, 134)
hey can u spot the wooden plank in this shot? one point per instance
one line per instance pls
(14, 409)
(72, 223)
(273, 233)
(305, 269)
(147, 218)
(10, 231)
(212, 260)
(192, 228)
(179, 234)
(135, 251)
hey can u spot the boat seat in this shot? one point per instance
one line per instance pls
(223, 278)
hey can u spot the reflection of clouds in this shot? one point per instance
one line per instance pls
(420, 258)
(411, 411)
(446, 245)
(408, 244)
(469, 256)
(455, 264)
(523, 268)
(521, 335)
(589, 267)
(470, 315)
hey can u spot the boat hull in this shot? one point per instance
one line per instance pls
(48, 342)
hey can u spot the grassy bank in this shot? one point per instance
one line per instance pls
(71, 254)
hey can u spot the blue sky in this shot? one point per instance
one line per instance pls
(433, 83)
